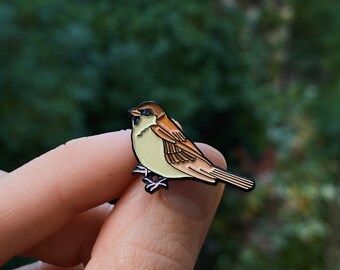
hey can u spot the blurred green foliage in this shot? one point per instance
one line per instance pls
(266, 70)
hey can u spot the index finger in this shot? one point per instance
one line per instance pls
(43, 195)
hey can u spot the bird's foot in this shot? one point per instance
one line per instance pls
(152, 186)
(140, 169)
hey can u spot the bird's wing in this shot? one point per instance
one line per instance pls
(177, 147)
(184, 155)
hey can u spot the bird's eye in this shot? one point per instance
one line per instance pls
(146, 112)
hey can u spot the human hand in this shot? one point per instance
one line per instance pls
(55, 209)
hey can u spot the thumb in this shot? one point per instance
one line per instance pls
(161, 231)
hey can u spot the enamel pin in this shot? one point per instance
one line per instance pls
(165, 152)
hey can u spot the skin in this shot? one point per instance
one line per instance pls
(54, 208)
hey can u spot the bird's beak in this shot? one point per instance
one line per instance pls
(135, 115)
(134, 112)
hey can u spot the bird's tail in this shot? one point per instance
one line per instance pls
(237, 181)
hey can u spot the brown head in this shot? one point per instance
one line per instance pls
(147, 108)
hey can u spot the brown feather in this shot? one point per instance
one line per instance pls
(167, 130)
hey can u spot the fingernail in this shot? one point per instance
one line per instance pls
(191, 198)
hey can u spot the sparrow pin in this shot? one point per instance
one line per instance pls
(165, 152)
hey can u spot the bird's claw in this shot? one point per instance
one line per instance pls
(152, 186)
(140, 169)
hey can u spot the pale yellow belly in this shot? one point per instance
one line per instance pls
(149, 150)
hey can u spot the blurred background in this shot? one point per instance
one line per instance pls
(256, 79)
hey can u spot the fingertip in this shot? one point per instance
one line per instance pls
(196, 199)
(213, 155)
(166, 228)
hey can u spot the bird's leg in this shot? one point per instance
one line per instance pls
(153, 182)
(140, 169)
(154, 185)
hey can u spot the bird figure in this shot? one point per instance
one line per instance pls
(165, 152)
